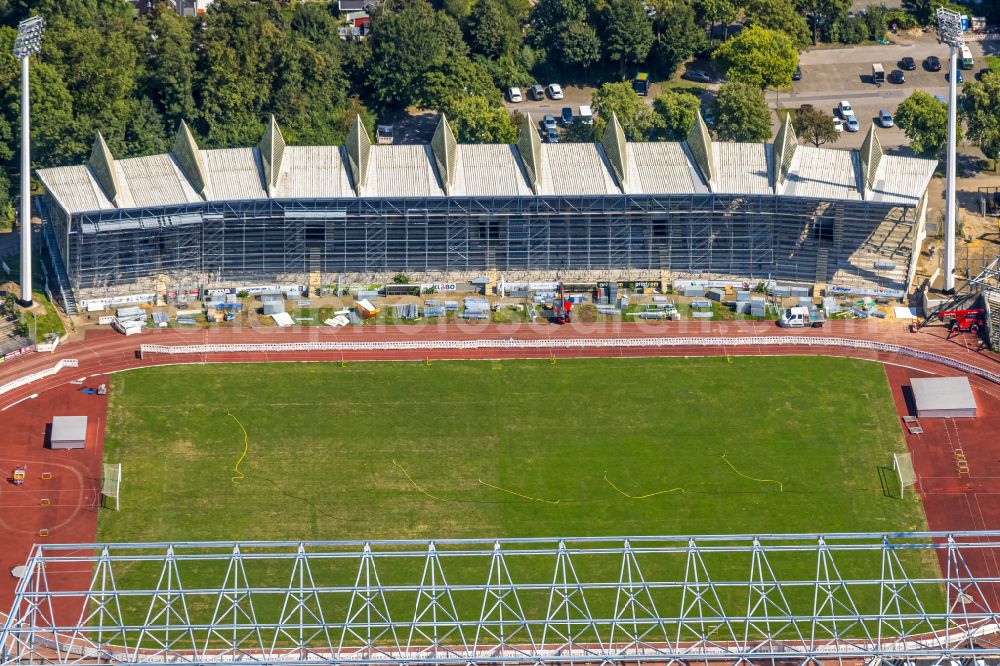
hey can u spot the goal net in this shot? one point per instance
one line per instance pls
(902, 464)
(110, 486)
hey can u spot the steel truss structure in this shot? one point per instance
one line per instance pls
(759, 236)
(726, 599)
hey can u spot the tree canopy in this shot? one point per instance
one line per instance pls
(758, 56)
(636, 118)
(741, 113)
(979, 103)
(924, 120)
(814, 126)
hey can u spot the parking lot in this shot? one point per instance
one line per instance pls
(830, 75)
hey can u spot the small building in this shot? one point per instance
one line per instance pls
(943, 398)
(68, 432)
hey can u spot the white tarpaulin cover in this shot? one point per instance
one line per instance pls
(282, 319)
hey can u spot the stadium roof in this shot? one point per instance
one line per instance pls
(444, 167)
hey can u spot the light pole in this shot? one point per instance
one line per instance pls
(950, 33)
(29, 41)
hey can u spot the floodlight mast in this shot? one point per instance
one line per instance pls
(950, 33)
(28, 42)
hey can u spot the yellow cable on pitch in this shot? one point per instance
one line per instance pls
(415, 484)
(639, 497)
(511, 492)
(246, 446)
(781, 487)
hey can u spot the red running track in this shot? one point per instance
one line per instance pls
(951, 502)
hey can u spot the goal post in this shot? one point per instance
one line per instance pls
(902, 464)
(111, 486)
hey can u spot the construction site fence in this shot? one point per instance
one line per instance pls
(573, 343)
(41, 374)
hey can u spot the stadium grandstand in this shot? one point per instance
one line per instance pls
(644, 210)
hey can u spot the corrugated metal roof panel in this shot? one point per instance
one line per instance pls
(901, 180)
(233, 173)
(401, 171)
(313, 172)
(489, 170)
(155, 180)
(662, 168)
(75, 189)
(822, 174)
(575, 168)
(742, 168)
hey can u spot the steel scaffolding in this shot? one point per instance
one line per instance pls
(760, 236)
(727, 599)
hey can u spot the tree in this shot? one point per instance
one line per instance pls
(979, 103)
(814, 126)
(676, 35)
(241, 47)
(457, 77)
(822, 12)
(636, 118)
(758, 56)
(676, 111)
(409, 40)
(549, 18)
(924, 120)
(170, 65)
(712, 12)
(477, 120)
(490, 30)
(781, 16)
(741, 114)
(578, 46)
(628, 32)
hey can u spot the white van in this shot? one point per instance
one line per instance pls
(586, 115)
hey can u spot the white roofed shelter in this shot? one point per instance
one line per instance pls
(943, 397)
(68, 432)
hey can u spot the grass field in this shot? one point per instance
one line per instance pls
(322, 440)
(401, 450)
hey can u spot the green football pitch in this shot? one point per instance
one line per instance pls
(601, 447)
(512, 448)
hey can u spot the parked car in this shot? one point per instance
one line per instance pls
(708, 117)
(908, 63)
(852, 124)
(514, 95)
(549, 122)
(567, 116)
(555, 91)
(932, 64)
(838, 124)
(959, 79)
(845, 109)
(896, 76)
(536, 92)
(586, 114)
(797, 76)
(696, 76)
(983, 72)
(885, 118)
(551, 136)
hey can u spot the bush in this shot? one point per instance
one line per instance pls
(243, 293)
(902, 20)
(401, 278)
